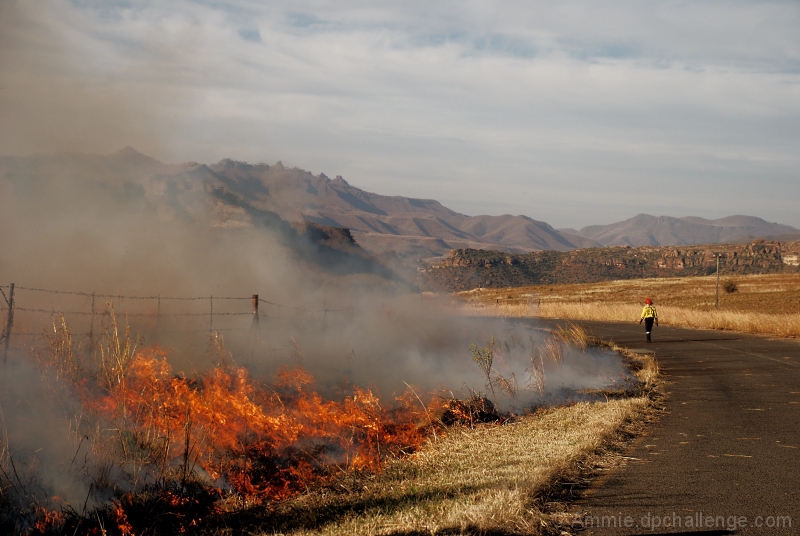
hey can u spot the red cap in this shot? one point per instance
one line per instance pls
(648, 301)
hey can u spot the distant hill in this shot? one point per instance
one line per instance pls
(646, 230)
(379, 223)
(395, 228)
(466, 269)
(423, 228)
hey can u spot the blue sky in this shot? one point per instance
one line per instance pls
(574, 113)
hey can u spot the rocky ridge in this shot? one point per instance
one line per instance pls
(466, 269)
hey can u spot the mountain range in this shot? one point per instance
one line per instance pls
(379, 223)
(426, 228)
(646, 230)
(236, 194)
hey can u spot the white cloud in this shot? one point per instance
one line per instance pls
(559, 110)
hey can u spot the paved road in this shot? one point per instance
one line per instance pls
(728, 445)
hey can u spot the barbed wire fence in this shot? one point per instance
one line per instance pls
(10, 304)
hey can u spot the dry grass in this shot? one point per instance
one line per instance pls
(491, 478)
(761, 304)
(62, 354)
(116, 352)
(481, 479)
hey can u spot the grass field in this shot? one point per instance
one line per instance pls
(766, 304)
(490, 479)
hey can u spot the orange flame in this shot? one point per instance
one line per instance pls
(263, 442)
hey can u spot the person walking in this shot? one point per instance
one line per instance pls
(649, 316)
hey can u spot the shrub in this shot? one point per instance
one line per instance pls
(730, 287)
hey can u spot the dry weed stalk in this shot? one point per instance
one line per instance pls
(537, 380)
(62, 355)
(648, 375)
(140, 456)
(219, 354)
(484, 357)
(551, 353)
(508, 385)
(573, 335)
(116, 353)
(425, 408)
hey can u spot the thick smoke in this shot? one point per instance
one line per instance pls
(126, 227)
(44, 460)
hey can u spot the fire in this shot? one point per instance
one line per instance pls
(46, 518)
(121, 519)
(187, 446)
(263, 442)
(174, 452)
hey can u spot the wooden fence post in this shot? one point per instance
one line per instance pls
(255, 309)
(9, 320)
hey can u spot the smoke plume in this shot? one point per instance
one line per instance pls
(177, 255)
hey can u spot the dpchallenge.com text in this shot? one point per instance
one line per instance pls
(674, 520)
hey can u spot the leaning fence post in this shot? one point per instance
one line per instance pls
(9, 321)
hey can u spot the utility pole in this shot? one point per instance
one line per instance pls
(717, 300)
(9, 320)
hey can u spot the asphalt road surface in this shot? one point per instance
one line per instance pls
(725, 457)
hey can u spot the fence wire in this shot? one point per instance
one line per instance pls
(46, 332)
(175, 298)
(126, 297)
(107, 313)
(6, 328)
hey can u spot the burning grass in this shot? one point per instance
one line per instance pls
(265, 442)
(221, 452)
(489, 478)
(163, 453)
(761, 303)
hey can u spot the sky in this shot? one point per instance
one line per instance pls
(574, 113)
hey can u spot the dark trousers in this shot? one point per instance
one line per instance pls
(648, 326)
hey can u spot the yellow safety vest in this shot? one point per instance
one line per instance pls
(649, 311)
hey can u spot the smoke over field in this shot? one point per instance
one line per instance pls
(137, 363)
